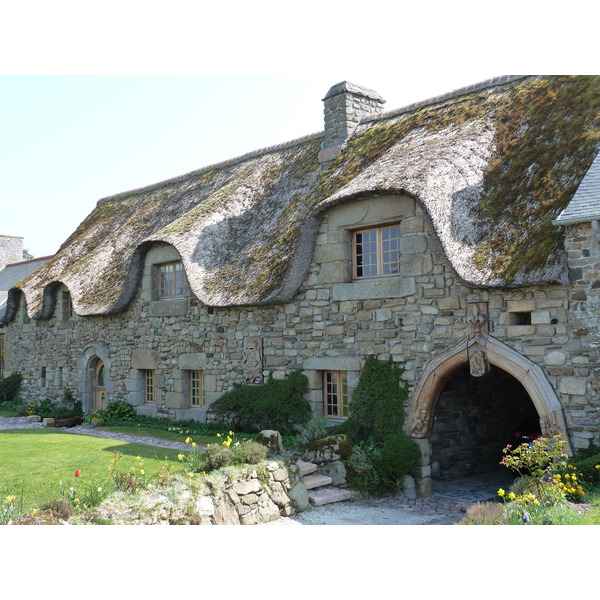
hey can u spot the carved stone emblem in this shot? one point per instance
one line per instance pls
(477, 318)
(478, 363)
(252, 360)
(420, 425)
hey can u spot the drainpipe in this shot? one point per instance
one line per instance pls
(596, 228)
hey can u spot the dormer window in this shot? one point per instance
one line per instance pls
(170, 280)
(376, 252)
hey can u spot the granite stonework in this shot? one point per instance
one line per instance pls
(548, 333)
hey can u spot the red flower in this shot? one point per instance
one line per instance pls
(77, 473)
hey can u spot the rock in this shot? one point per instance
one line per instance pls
(33, 419)
(409, 487)
(205, 506)
(48, 422)
(299, 497)
(336, 470)
(329, 449)
(271, 439)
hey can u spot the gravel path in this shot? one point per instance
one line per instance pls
(447, 505)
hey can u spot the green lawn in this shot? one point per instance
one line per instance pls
(34, 462)
(201, 440)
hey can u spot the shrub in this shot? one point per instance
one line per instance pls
(381, 470)
(398, 457)
(377, 407)
(249, 452)
(315, 429)
(215, 457)
(115, 411)
(588, 469)
(484, 513)
(9, 387)
(278, 404)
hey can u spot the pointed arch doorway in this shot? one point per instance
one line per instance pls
(99, 385)
(96, 386)
(449, 372)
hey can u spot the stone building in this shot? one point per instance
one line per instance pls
(438, 234)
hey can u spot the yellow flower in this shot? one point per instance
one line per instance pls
(99, 489)
(188, 440)
(193, 444)
(501, 492)
(218, 435)
(10, 499)
(536, 501)
(231, 433)
(180, 456)
(512, 496)
(138, 458)
(190, 474)
(142, 472)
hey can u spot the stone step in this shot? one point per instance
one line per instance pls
(315, 481)
(306, 468)
(328, 496)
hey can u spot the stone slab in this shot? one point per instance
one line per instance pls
(314, 481)
(306, 468)
(321, 497)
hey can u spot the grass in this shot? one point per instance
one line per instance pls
(160, 434)
(33, 463)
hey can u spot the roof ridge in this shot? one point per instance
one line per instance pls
(493, 82)
(22, 262)
(224, 163)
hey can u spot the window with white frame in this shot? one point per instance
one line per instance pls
(336, 394)
(170, 280)
(149, 381)
(376, 252)
(196, 389)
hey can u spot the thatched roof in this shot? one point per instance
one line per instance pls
(491, 165)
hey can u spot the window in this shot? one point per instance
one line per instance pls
(376, 252)
(519, 318)
(335, 394)
(148, 375)
(67, 306)
(43, 377)
(1, 355)
(196, 391)
(170, 280)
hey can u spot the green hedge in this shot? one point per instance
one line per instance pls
(278, 404)
(9, 387)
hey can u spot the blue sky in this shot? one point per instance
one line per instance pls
(94, 102)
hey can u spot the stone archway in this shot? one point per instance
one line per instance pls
(479, 350)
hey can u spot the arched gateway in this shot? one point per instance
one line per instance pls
(478, 351)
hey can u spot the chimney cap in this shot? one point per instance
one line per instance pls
(352, 88)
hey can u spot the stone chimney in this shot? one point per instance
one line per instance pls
(345, 105)
(11, 250)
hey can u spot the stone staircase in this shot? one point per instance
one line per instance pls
(319, 488)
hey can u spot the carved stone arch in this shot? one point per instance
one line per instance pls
(94, 356)
(439, 369)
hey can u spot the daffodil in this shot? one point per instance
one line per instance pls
(193, 444)
(188, 440)
(512, 496)
(501, 492)
(180, 456)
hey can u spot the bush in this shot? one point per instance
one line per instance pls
(9, 387)
(278, 404)
(398, 457)
(315, 429)
(484, 513)
(377, 407)
(215, 457)
(116, 411)
(381, 470)
(587, 468)
(249, 452)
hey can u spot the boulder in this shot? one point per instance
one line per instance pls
(336, 470)
(271, 439)
(299, 497)
(329, 449)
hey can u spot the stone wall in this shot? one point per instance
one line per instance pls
(331, 324)
(11, 250)
(255, 494)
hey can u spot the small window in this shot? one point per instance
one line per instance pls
(149, 387)
(376, 252)
(1, 355)
(67, 306)
(196, 391)
(336, 397)
(170, 280)
(43, 374)
(519, 318)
